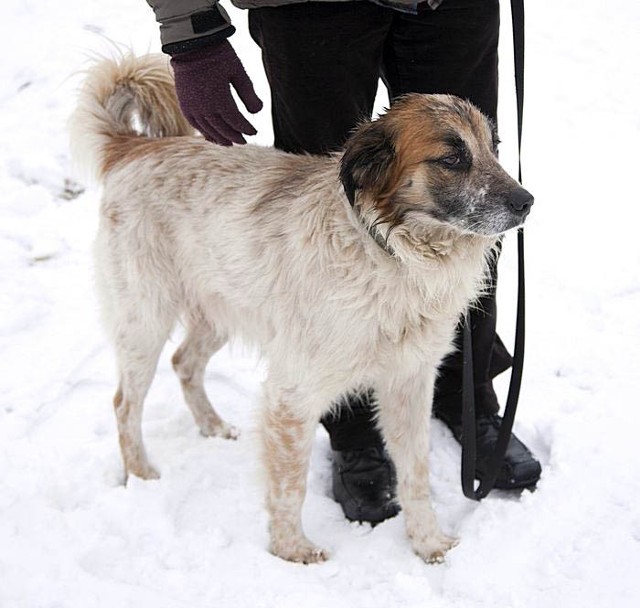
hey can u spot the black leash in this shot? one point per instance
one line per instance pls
(468, 400)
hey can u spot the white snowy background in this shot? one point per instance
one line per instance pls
(71, 535)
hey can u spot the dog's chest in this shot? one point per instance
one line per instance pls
(417, 336)
(410, 327)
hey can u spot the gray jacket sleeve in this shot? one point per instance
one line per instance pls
(186, 25)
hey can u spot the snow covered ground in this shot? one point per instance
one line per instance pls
(72, 536)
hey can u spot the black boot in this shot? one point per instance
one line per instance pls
(364, 480)
(364, 483)
(520, 468)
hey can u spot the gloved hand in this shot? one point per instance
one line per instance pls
(203, 84)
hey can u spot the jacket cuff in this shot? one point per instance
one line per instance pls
(185, 46)
(190, 24)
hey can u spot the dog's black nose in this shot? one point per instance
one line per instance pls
(520, 201)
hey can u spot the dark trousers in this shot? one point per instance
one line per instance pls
(323, 62)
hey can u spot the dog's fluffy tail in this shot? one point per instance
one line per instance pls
(123, 98)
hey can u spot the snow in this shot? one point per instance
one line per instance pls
(72, 535)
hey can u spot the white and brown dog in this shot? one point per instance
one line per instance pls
(347, 271)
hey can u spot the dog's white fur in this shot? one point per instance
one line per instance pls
(253, 243)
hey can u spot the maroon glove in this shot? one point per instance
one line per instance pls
(203, 78)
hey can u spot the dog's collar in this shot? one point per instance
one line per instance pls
(373, 231)
(380, 240)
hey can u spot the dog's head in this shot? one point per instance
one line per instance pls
(433, 156)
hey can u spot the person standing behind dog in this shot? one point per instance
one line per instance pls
(323, 60)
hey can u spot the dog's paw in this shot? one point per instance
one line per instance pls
(230, 432)
(433, 550)
(143, 471)
(214, 428)
(302, 552)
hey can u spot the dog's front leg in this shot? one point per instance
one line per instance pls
(404, 419)
(288, 429)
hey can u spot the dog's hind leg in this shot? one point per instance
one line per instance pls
(189, 363)
(287, 436)
(137, 353)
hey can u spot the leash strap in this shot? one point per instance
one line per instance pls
(469, 455)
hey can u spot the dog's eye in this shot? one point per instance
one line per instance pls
(457, 156)
(451, 161)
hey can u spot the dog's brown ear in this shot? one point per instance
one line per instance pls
(369, 162)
